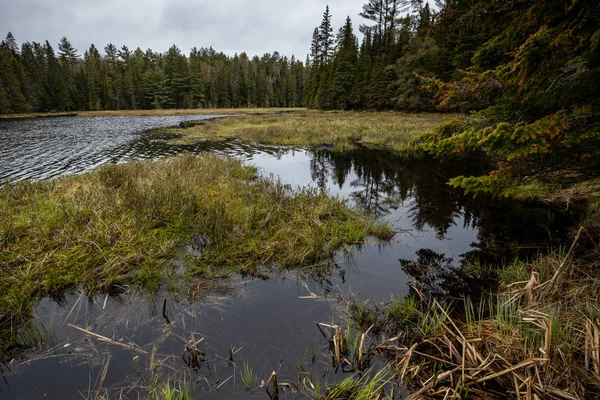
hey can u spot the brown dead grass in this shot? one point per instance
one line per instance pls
(540, 339)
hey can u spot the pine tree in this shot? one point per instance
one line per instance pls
(157, 88)
(345, 64)
(33, 68)
(326, 42)
(11, 44)
(67, 52)
(112, 54)
(197, 87)
(68, 58)
(177, 71)
(315, 48)
(56, 88)
(133, 80)
(12, 98)
(234, 82)
(374, 11)
(97, 85)
(363, 73)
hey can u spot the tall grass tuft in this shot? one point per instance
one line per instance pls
(249, 378)
(356, 387)
(168, 392)
(123, 224)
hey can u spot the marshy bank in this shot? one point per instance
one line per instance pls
(119, 225)
(130, 341)
(337, 130)
(535, 337)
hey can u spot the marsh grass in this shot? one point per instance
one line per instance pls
(124, 224)
(402, 309)
(249, 378)
(343, 130)
(368, 386)
(169, 392)
(537, 338)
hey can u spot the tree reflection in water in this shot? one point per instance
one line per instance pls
(382, 182)
(440, 278)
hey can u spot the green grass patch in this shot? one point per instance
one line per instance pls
(343, 130)
(123, 224)
(366, 387)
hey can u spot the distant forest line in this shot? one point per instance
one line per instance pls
(459, 55)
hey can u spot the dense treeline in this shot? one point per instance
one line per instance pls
(380, 71)
(528, 70)
(35, 78)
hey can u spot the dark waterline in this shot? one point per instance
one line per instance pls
(268, 324)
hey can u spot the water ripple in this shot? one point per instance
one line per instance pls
(45, 148)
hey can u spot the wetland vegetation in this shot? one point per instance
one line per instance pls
(122, 224)
(129, 226)
(510, 309)
(340, 131)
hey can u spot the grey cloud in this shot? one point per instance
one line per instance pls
(231, 26)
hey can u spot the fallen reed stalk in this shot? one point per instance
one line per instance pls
(104, 339)
(273, 379)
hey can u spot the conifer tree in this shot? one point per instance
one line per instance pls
(56, 88)
(112, 54)
(33, 70)
(11, 44)
(315, 48)
(177, 71)
(97, 93)
(326, 42)
(157, 88)
(345, 64)
(67, 52)
(12, 98)
(197, 86)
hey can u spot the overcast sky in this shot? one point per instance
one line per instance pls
(231, 26)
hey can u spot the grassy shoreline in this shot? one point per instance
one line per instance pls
(123, 224)
(340, 130)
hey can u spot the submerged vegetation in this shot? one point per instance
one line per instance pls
(124, 224)
(343, 131)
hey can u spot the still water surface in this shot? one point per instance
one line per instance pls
(268, 324)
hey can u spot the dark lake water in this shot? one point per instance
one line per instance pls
(48, 147)
(266, 324)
